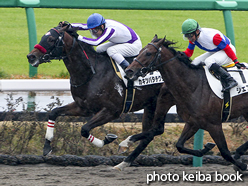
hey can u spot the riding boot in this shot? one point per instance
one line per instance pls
(226, 79)
(124, 64)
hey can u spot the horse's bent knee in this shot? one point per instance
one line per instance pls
(84, 132)
(159, 131)
(149, 137)
(179, 147)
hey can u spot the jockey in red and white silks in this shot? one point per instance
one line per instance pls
(220, 51)
(122, 40)
(218, 46)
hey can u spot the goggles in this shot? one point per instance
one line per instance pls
(94, 30)
(189, 35)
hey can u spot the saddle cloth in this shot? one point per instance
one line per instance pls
(241, 76)
(151, 78)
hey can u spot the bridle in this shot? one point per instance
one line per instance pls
(56, 51)
(152, 66)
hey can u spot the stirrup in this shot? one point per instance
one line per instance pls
(230, 86)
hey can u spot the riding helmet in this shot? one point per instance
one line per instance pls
(95, 20)
(189, 26)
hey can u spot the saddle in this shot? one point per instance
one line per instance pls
(241, 76)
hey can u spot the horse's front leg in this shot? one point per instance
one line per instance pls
(70, 110)
(147, 122)
(187, 133)
(241, 150)
(218, 136)
(103, 116)
(154, 127)
(145, 137)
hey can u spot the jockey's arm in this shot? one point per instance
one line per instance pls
(190, 50)
(218, 41)
(80, 26)
(107, 34)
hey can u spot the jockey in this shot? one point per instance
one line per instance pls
(220, 51)
(122, 40)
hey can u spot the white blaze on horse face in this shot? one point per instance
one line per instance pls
(48, 34)
(119, 89)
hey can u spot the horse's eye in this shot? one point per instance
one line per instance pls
(50, 39)
(148, 54)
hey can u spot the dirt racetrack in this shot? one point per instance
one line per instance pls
(103, 175)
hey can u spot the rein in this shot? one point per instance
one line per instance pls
(152, 67)
(91, 66)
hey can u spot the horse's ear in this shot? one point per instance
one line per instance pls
(154, 38)
(63, 29)
(161, 41)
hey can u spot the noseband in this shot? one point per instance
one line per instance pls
(152, 67)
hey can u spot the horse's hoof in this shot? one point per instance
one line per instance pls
(116, 168)
(122, 149)
(236, 169)
(47, 148)
(209, 146)
(124, 145)
(242, 167)
(109, 138)
(121, 166)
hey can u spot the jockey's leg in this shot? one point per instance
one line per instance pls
(119, 51)
(214, 63)
(200, 59)
(124, 64)
(226, 78)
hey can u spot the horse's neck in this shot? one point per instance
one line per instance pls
(78, 64)
(182, 81)
(82, 62)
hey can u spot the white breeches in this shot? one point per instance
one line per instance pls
(219, 58)
(119, 51)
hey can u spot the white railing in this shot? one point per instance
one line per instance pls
(34, 85)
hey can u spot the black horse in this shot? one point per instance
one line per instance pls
(96, 89)
(197, 105)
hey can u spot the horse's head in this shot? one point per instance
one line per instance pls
(146, 60)
(50, 47)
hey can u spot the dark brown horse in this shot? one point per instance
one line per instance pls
(197, 105)
(96, 89)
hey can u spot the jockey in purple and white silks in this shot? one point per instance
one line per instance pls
(122, 40)
(218, 47)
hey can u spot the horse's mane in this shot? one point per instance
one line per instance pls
(180, 55)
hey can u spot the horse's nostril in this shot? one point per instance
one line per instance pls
(31, 57)
(129, 72)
